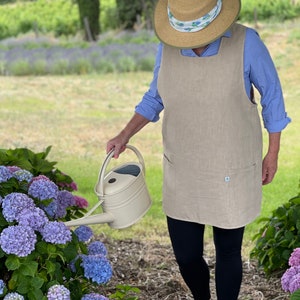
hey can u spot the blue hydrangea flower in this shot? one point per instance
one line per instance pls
(43, 189)
(56, 233)
(97, 268)
(14, 203)
(84, 233)
(23, 175)
(18, 240)
(96, 248)
(13, 296)
(1, 201)
(58, 292)
(94, 296)
(51, 208)
(34, 218)
(65, 199)
(5, 174)
(2, 286)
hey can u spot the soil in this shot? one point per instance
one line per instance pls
(150, 267)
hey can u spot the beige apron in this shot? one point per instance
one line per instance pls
(212, 137)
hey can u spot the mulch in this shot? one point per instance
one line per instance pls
(150, 267)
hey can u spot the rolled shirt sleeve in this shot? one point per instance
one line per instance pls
(259, 70)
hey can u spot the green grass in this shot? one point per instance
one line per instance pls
(78, 114)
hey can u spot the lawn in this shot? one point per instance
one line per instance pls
(78, 114)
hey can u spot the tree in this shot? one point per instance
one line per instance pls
(89, 12)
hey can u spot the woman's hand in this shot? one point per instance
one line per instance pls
(119, 142)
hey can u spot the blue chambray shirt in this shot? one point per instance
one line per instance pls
(259, 70)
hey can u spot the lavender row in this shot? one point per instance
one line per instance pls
(20, 59)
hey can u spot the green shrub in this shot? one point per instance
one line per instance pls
(279, 236)
(20, 68)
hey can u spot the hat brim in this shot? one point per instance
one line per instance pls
(170, 36)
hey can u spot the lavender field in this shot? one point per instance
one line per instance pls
(43, 56)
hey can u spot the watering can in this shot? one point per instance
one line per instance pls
(122, 194)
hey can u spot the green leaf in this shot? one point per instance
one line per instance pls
(12, 262)
(50, 266)
(295, 295)
(29, 268)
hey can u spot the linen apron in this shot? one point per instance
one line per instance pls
(212, 137)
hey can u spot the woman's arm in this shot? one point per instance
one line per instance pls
(118, 143)
(270, 161)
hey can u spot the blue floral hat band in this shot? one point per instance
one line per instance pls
(197, 24)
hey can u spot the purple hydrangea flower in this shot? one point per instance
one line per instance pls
(294, 283)
(23, 175)
(51, 208)
(56, 233)
(287, 277)
(58, 292)
(84, 233)
(96, 248)
(65, 199)
(18, 240)
(14, 203)
(13, 296)
(34, 218)
(43, 189)
(295, 258)
(97, 268)
(81, 202)
(5, 174)
(13, 168)
(2, 286)
(94, 296)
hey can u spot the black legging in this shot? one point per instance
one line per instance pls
(187, 242)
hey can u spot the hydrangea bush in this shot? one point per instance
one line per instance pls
(40, 257)
(290, 281)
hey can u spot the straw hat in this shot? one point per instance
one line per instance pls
(193, 23)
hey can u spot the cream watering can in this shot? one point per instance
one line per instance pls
(122, 194)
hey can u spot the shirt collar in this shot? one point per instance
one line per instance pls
(190, 52)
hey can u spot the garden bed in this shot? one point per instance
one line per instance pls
(151, 267)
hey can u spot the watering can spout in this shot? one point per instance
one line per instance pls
(102, 218)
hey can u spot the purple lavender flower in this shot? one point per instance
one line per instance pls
(58, 292)
(97, 268)
(18, 240)
(13, 296)
(5, 174)
(97, 247)
(287, 277)
(22, 175)
(84, 233)
(34, 218)
(94, 296)
(43, 189)
(2, 286)
(56, 233)
(295, 258)
(14, 203)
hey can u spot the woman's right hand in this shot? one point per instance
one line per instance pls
(118, 143)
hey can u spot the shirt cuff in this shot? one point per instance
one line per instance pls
(277, 126)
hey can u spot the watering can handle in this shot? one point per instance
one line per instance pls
(106, 162)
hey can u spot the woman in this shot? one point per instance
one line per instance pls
(205, 70)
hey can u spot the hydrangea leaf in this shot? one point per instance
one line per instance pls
(12, 263)
(29, 268)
